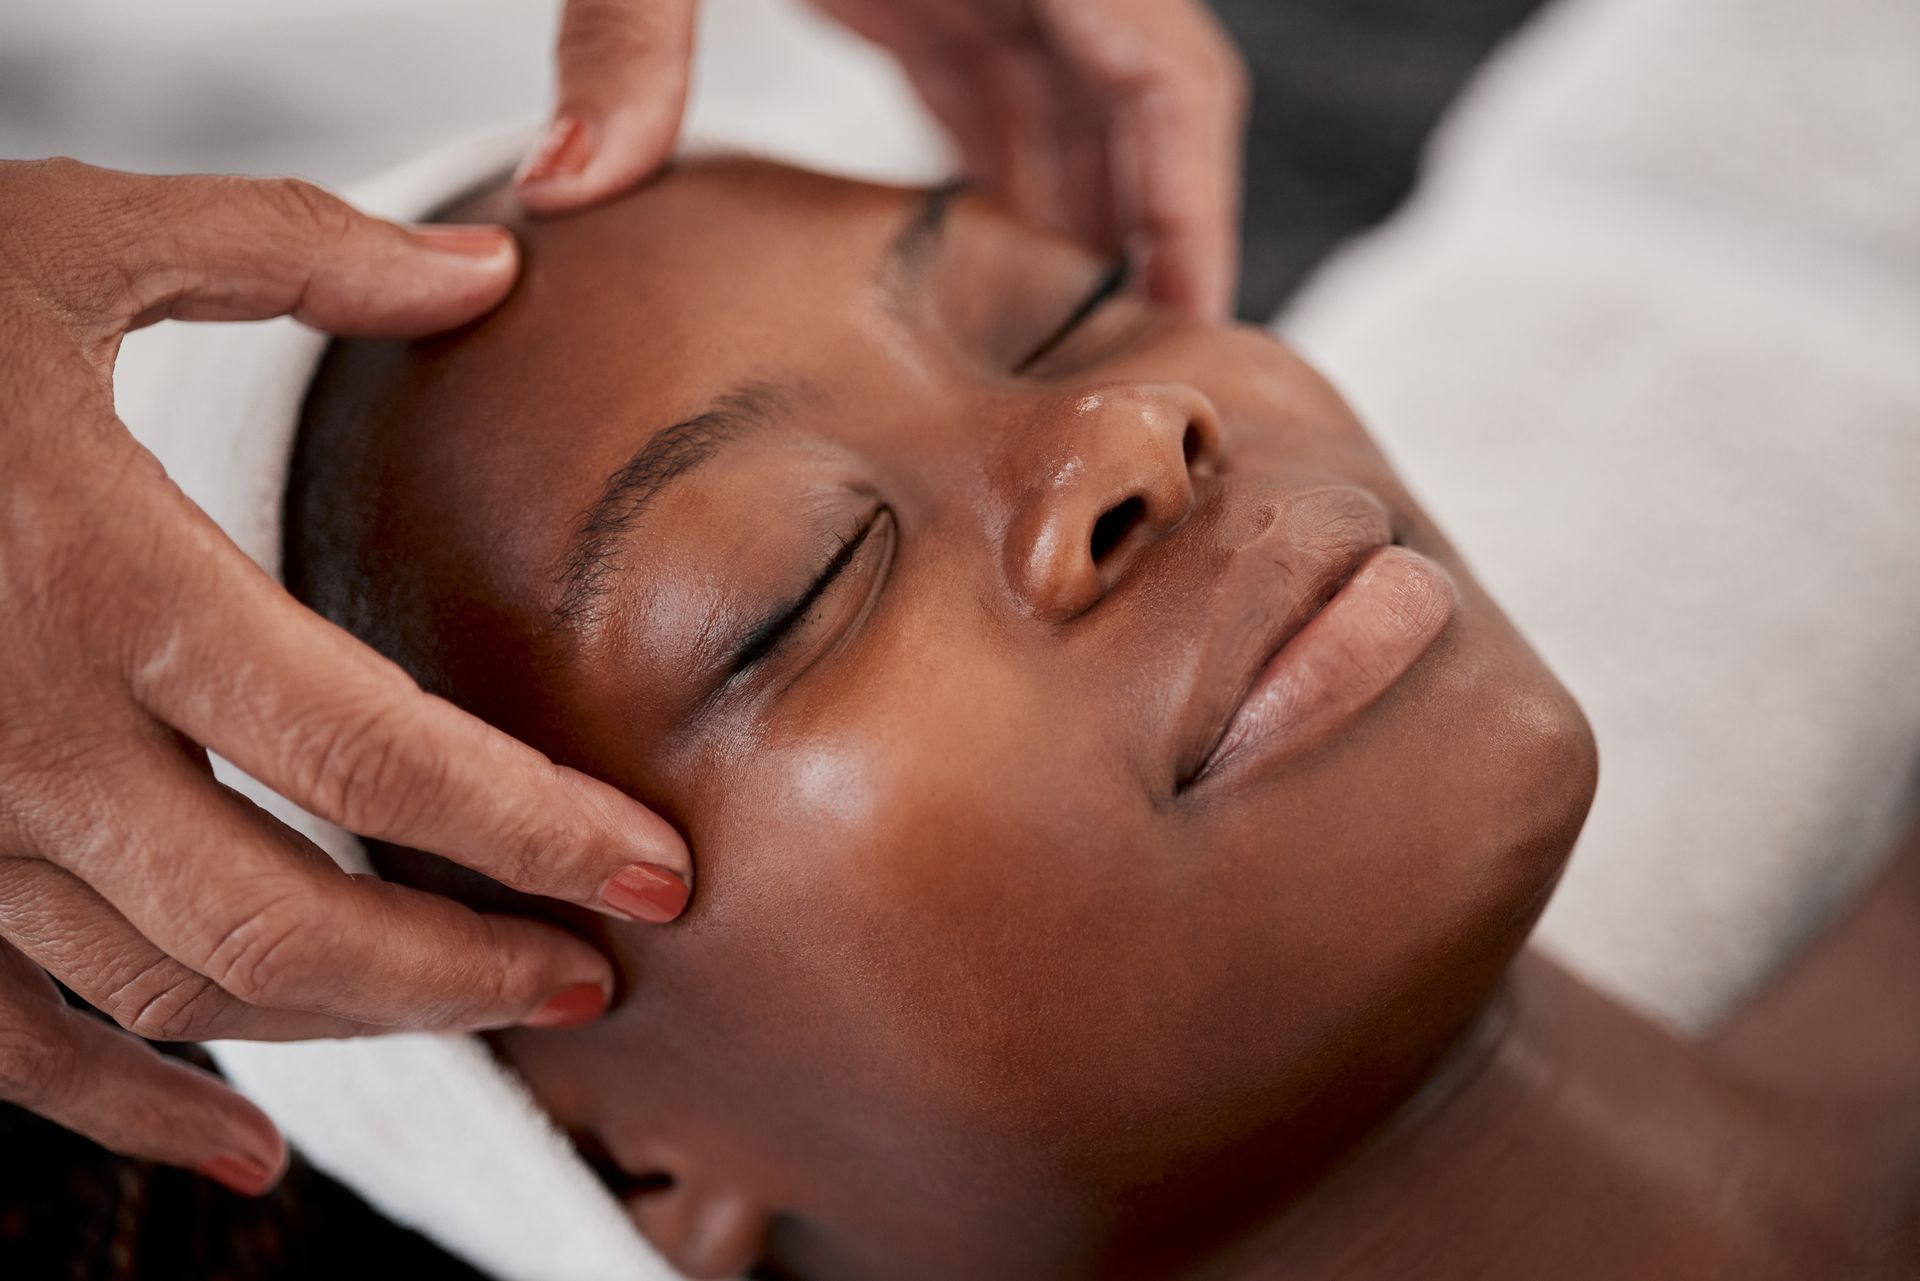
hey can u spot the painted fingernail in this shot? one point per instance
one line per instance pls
(240, 1173)
(646, 892)
(570, 1007)
(468, 242)
(565, 150)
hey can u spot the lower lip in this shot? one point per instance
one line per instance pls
(1373, 630)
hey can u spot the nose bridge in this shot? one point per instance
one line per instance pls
(1101, 473)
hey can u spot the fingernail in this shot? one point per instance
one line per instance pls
(646, 892)
(570, 1007)
(564, 150)
(240, 1173)
(468, 242)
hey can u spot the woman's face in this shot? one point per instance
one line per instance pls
(1021, 924)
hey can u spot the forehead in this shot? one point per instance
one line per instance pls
(629, 318)
(717, 272)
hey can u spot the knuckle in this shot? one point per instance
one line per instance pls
(510, 973)
(364, 772)
(165, 1001)
(73, 230)
(604, 31)
(33, 191)
(266, 958)
(86, 560)
(310, 210)
(540, 845)
(59, 773)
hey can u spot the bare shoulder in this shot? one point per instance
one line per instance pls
(1838, 1028)
(1842, 1020)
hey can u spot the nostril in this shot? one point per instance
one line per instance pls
(1114, 525)
(1190, 444)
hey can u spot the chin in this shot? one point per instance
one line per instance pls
(1498, 768)
(1532, 765)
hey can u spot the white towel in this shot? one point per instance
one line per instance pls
(1648, 341)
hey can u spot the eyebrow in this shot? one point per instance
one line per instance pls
(913, 249)
(676, 452)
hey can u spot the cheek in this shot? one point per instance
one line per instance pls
(936, 812)
(948, 867)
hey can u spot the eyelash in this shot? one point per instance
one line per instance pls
(1104, 289)
(765, 638)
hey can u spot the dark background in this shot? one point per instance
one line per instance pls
(1345, 93)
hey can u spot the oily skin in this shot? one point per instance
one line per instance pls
(970, 986)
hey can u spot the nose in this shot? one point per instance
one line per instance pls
(1102, 475)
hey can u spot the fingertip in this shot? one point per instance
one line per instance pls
(477, 246)
(251, 1165)
(659, 844)
(579, 162)
(572, 1006)
(1172, 278)
(564, 150)
(488, 257)
(625, 828)
(238, 1172)
(250, 1155)
(430, 279)
(646, 892)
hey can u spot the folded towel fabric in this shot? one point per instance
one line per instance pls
(1648, 341)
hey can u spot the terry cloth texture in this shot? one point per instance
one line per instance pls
(1648, 341)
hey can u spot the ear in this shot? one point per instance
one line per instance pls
(706, 1227)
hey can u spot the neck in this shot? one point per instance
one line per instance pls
(1567, 1137)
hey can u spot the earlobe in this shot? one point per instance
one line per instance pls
(709, 1233)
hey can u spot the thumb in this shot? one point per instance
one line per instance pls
(221, 248)
(624, 67)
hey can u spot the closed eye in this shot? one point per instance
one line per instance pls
(1109, 284)
(768, 635)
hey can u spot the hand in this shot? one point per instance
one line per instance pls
(1118, 121)
(134, 637)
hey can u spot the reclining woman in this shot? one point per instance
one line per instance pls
(1119, 812)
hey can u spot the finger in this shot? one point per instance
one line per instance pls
(207, 877)
(1178, 201)
(949, 90)
(1016, 82)
(1177, 93)
(96, 1081)
(67, 929)
(623, 70)
(239, 666)
(1029, 136)
(1085, 169)
(221, 248)
(1057, 136)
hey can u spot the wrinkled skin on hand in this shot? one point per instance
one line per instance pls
(134, 638)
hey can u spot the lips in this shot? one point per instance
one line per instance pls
(1320, 616)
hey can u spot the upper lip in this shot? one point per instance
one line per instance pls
(1272, 588)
